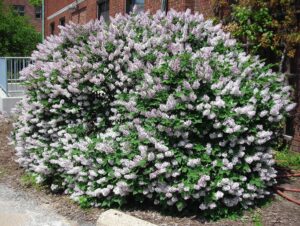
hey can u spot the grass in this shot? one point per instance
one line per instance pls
(29, 180)
(288, 159)
(257, 219)
(3, 172)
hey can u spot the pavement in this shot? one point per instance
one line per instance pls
(18, 209)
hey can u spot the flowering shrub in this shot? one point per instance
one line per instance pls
(154, 107)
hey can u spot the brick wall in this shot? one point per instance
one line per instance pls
(91, 10)
(178, 5)
(204, 6)
(53, 6)
(295, 69)
(296, 138)
(29, 11)
(117, 6)
(152, 6)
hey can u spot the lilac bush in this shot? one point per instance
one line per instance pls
(164, 108)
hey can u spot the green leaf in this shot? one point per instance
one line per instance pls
(180, 205)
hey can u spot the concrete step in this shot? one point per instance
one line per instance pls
(15, 90)
(7, 103)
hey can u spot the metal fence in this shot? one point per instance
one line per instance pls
(10, 68)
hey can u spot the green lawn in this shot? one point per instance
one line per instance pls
(288, 159)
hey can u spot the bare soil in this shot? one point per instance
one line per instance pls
(278, 212)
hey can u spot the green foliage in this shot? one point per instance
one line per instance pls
(35, 2)
(256, 218)
(17, 36)
(288, 159)
(84, 202)
(29, 180)
(268, 28)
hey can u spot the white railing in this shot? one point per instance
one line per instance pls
(10, 68)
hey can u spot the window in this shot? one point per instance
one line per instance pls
(139, 4)
(38, 12)
(62, 21)
(20, 9)
(103, 9)
(52, 28)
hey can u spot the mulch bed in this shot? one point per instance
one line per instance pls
(278, 212)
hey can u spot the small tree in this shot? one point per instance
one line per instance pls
(268, 28)
(17, 36)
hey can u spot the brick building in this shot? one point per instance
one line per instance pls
(82, 11)
(23, 8)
